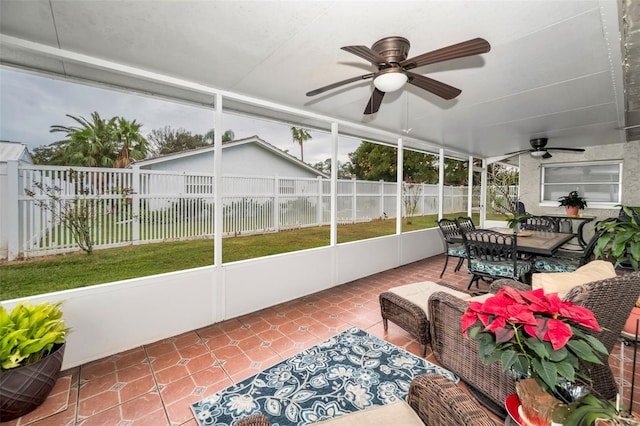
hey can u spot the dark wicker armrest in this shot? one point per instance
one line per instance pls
(498, 284)
(253, 420)
(438, 402)
(451, 300)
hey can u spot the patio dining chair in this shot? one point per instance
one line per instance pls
(449, 229)
(540, 223)
(465, 223)
(493, 254)
(567, 260)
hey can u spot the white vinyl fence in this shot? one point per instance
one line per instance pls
(133, 206)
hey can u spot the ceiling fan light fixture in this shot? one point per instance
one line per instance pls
(538, 154)
(390, 81)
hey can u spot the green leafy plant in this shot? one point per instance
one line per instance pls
(573, 200)
(620, 239)
(29, 333)
(535, 335)
(590, 408)
(516, 220)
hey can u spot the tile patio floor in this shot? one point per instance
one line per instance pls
(155, 384)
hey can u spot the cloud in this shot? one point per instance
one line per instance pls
(30, 105)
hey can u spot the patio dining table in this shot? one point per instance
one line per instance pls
(536, 242)
(540, 242)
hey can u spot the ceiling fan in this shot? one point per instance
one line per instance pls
(539, 149)
(390, 56)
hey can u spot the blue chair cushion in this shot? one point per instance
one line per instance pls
(500, 269)
(556, 264)
(457, 251)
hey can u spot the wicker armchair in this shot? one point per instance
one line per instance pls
(610, 300)
(440, 402)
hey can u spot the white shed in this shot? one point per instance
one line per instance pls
(250, 156)
(9, 151)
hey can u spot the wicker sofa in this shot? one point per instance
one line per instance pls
(435, 399)
(610, 299)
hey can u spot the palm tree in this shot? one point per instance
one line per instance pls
(101, 143)
(300, 136)
(227, 136)
(132, 145)
(92, 144)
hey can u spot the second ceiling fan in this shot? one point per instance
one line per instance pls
(390, 56)
(539, 149)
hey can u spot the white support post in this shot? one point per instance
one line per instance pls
(319, 204)
(399, 180)
(13, 211)
(334, 186)
(441, 184)
(135, 203)
(483, 193)
(219, 292)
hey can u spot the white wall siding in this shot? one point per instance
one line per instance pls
(111, 318)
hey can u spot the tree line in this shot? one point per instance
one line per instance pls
(117, 142)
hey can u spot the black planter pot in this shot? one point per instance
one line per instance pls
(23, 389)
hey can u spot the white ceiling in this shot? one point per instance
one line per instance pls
(554, 69)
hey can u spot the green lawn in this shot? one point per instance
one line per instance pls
(55, 273)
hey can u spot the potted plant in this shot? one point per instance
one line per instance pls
(620, 238)
(572, 203)
(537, 339)
(515, 221)
(634, 316)
(32, 345)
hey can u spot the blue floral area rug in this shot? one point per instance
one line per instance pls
(348, 372)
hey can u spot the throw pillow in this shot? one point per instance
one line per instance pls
(563, 282)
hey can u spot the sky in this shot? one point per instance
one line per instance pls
(30, 105)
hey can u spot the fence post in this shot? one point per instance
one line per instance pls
(276, 203)
(135, 203)
(354, 199)
(13, 211)
(382, 197)
(320, 208)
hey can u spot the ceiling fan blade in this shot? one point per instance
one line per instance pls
(518, 152)
(547, 155)
(339, 83)
(374, 102)
(436, 87)
(466, 48)
(366, 53)
(567, 149)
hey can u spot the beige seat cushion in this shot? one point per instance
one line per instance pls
(563, 282)
(482, 298)
(418, 293)
(397, 413)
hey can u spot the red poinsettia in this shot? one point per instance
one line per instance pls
(534, 334)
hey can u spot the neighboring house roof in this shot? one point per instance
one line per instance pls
(227, 145)
(14, 151)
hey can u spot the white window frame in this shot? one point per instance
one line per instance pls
(591, 204)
